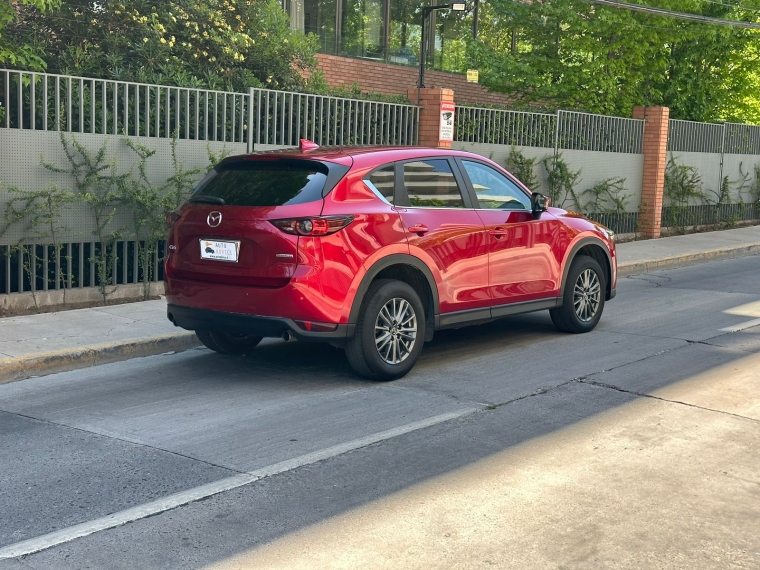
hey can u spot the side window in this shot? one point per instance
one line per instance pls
(494, 190)
(382, 182)
(430, 183)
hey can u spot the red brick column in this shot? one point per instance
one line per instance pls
(655, 159)
(430, 113)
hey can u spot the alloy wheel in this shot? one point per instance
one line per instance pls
(587, 295)
(395, 330)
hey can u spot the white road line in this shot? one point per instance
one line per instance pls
(197, 493)
(741, 327)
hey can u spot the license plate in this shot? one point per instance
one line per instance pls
(220, 250)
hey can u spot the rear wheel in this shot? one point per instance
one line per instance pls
(228, 343)
(583, 298)
(390, 331)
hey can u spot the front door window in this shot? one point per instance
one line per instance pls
(493, 189)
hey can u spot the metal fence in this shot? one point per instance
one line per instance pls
(48, 102)
(741, 139)
(718, 140)
(708, 214)
(494, 126)
(683, 217)
(43, 267)
(565, 130)
(599, 133)
(618, 222)
(690, 136)
(282, 118)
(724, 138)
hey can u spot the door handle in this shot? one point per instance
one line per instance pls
(498, 233)
(419, 229)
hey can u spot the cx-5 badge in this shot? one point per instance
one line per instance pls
(214, 219)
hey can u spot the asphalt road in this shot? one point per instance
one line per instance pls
(509, 445)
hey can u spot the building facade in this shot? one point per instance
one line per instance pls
(386, 31)
(376, 45)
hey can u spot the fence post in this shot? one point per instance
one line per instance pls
(655, 161)
(251, 123)
(430, 100)
(722, 155)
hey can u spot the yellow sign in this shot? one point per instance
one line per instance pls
(472, 76)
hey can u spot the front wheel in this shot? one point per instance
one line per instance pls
(228, 343)
(390, 331)
(583, 298)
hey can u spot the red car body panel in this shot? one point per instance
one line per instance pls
(523, 264)
(475, 258)
(455, 245)
(577, 228)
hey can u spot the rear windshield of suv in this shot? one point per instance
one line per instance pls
(264, 182)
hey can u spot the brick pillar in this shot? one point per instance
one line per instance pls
(430, 113)
(655, 159)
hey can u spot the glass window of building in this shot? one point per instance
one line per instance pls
(316, 17)
(405, 30)
(383, 30)
(362, 29)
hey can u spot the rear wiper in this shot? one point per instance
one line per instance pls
(207, 200)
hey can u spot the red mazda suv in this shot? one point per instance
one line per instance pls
(373, 249)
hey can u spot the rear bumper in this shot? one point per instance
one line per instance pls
(203, 319)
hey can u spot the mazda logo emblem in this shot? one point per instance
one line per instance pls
(214, 219)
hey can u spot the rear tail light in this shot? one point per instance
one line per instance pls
(171, 219)
(317, 226)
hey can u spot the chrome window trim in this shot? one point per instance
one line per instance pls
(376, 191)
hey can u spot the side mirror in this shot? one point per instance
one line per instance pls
(538, 203)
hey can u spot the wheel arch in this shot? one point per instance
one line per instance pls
(410, 270)
(596, 249)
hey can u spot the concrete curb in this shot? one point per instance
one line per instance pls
(636, 267)
(12, 369)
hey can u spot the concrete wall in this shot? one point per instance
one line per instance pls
(708, 168)
(733, 167)
(594, 166)
(23, 151)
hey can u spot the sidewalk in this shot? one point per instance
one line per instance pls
(36, 345)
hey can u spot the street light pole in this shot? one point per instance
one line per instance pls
(475, 6)
(457, 7)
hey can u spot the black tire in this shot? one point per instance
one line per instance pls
(364, 349)
(227, 343)
(574, 316)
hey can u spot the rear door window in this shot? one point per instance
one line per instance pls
(382, 182)
(430, 183)
(265, 182)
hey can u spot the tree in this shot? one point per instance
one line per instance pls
(224, 44)
(24, 55)
(576, 55)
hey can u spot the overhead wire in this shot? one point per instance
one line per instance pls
(673, 14)
(736, 6)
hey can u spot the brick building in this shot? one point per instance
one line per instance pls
(390, 79)
(376, 44)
